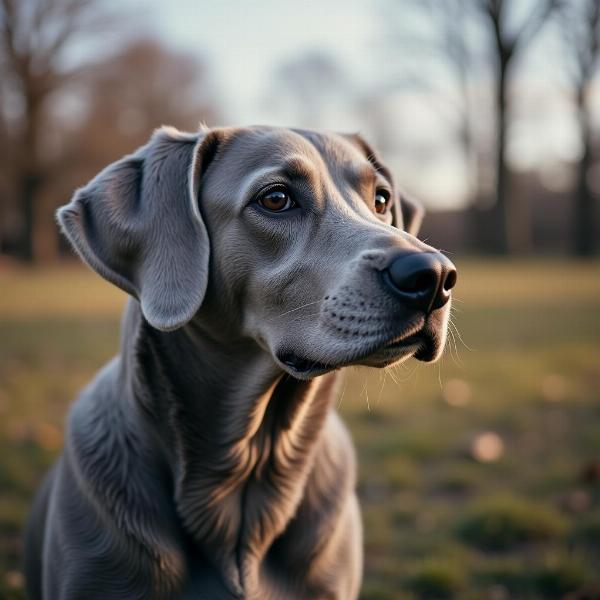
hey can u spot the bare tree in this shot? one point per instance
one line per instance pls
(507, 44)
(5, 176)
(462, 108)
(453, 15)
(34, 36)
(581, 31)
(310, 83)
(143, 86)
(452, 19)
(451, 47)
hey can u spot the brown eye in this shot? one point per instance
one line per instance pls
(276, 201)
(382, 200)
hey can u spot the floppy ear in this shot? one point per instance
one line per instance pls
(138, 225)
(407, 214)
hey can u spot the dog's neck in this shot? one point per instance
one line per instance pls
(238, 434)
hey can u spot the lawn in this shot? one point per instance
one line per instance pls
(479, 475)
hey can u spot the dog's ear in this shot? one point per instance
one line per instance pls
(137, 223)
(407, 214)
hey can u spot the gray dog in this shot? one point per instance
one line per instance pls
(206, 460)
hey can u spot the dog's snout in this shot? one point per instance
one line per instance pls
(423, 280)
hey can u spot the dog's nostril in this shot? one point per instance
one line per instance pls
(450, 280)
(418, 282)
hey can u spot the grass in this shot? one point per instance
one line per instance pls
(443, 517)
(436, 579)
(504, 523)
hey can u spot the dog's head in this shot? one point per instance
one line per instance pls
(296, 239)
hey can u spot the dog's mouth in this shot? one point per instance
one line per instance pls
(380, 354)
(303, 365)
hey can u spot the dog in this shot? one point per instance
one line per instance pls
(206, 460)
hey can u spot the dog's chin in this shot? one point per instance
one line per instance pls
(423, 346)
(394, 354)
(303, 368)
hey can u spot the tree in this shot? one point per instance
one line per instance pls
(122, 99)
(142, 86)
(34, 37)
(507, 44)
(581, 32)
(311, 83)
(449, 18)
(5, 178)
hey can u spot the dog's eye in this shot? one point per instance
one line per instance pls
(382, 200)
(277, 200)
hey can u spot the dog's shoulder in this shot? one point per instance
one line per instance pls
(112, 508)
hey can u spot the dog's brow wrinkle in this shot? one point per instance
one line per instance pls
(362, 177)
(298, 166)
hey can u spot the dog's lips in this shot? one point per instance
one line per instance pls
(411, 340)
(302, 365)
(394, 351)
(403, 346)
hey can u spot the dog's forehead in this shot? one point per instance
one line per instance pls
(334, 148)
(276, 145)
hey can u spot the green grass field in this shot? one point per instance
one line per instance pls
(479, 475)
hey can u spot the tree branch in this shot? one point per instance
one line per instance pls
(533, 24)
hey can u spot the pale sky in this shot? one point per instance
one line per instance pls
(246, 40)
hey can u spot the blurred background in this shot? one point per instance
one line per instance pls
(479, 476)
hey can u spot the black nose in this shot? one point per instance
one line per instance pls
(423, 280)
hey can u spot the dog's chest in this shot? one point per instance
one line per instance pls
(234, 503)
(205, 583)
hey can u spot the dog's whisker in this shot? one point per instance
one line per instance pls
(297, 308)
(365, 390)
(390, 371)
(382, 377)
(343, 392)
(456, 351)
(404, 367)
(461, 339)
(455, 357)
(452, 343)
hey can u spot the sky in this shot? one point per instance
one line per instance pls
(245, 42)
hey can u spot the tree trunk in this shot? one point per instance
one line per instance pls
(584, 217)
(512, 218)
(28, 188)
(500, 243)
(45, 233)
(29, 175)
